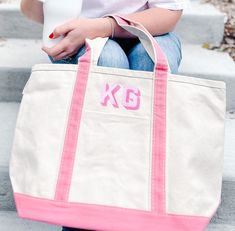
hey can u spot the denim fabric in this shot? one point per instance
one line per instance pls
(170, 44)
(130, 54)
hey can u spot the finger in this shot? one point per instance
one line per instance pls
(46, 49)
(51, 52)
(57, 49)
(62, 29)
(62, 55)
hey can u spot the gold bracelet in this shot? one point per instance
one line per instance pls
(112, 26)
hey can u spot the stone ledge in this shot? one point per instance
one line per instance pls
(10, 221)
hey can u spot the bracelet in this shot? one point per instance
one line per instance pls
(112, 26)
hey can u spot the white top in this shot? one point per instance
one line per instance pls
(99, 8)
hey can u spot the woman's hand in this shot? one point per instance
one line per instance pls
(74, 33)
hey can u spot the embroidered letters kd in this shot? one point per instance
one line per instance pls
(130, 96)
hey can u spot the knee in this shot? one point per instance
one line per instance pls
(139, 59)
(113, 55)
(72, 59)
(169, 43)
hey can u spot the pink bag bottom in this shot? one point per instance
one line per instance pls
(107, 218)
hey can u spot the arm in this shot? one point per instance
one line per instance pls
(32, 9)
(156, 20)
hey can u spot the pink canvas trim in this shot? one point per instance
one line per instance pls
(159, 134)
(70, 142)
(94, 217)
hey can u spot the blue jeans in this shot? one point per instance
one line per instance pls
(130, 54)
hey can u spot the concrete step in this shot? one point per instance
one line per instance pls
(20, 54)
(14, 25)
(15, 65)
(8, 114)
(201, 23)
(10, 221)
(224, 216)
(218, 227)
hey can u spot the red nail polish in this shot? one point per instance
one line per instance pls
(51, 35)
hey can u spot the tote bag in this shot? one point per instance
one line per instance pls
(111, 149)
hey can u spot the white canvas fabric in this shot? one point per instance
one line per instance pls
(113, 162)
(195, 141)
(41, 117)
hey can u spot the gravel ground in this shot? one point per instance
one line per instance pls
(228, 7)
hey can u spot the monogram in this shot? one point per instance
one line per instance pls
(130, 96)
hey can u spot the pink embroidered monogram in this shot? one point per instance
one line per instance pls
(130, 96)
(108, 94)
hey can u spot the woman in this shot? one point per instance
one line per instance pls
(122, 49)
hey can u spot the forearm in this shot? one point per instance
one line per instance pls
(33, 9)
(156, 20)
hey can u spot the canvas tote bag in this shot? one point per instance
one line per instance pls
(112, 149)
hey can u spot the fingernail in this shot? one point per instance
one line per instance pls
(51, 35)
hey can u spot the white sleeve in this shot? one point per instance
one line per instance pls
(169, 4)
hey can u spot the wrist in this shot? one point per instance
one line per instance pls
(106, 27)
(112, 24)
(102, 27)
